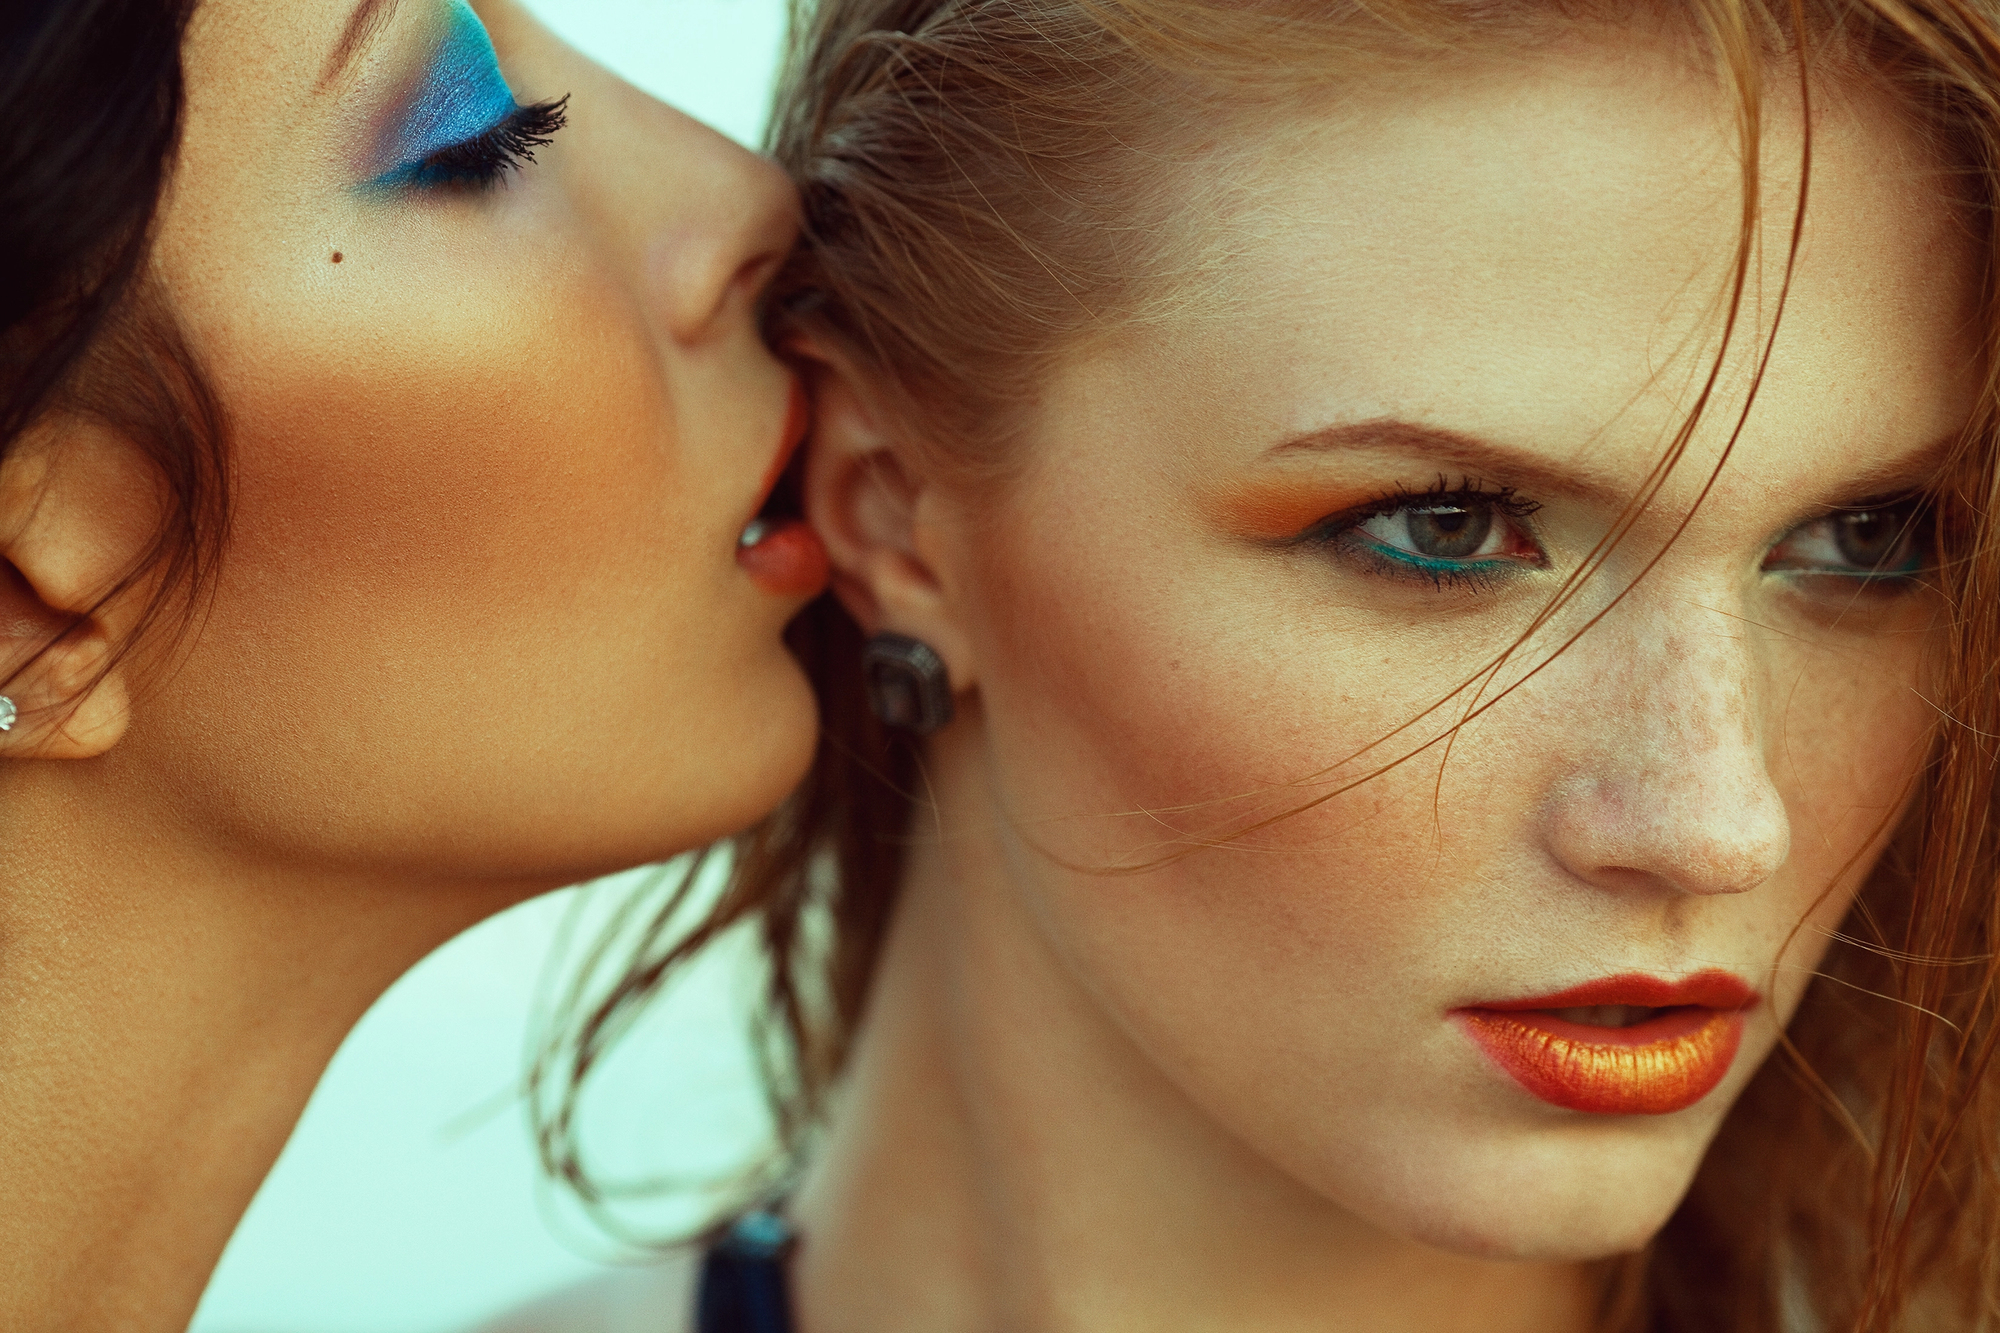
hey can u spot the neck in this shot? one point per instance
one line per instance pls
(1006, 1158)
(164, 1015)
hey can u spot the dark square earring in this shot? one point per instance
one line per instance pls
(908, 686)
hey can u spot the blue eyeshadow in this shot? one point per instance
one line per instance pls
(460, 97)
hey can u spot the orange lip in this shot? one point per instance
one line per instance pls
(797, 420)
(784, 556)
(1664, 1064)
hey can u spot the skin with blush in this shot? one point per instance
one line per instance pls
(484, 624)
(1223, 860)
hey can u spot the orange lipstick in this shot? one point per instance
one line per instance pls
(1681, 1045)
(784, 556)
(798, 420)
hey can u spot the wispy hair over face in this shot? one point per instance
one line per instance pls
(990, 185)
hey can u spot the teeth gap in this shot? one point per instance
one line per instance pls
(1608, 1015)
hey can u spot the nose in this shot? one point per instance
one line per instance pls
(1670, 788)
(709, 262)
(699, 221)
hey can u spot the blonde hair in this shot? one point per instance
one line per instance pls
(986, 187)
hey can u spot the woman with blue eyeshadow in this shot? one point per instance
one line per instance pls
(461, 97)
(394, 524)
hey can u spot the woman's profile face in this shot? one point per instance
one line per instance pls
(498, 424)
(1449, 331)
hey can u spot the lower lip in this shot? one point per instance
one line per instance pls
(787, 559)
(1663, 1065)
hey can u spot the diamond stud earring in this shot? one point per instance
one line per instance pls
(7, 713)
(908, 686)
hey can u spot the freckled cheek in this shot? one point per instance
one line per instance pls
(1183, 706)
(1106, 691)
(1849, 746)
(1107, 694)
(1845, 776)
(1848, 778)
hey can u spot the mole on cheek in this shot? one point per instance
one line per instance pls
(336, 256)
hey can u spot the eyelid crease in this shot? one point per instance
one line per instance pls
(1915, 497)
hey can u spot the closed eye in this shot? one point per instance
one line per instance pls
(483, 159)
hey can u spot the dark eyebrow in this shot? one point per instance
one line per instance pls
(1911, 471)
(368, 19)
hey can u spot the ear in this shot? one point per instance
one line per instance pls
(77, 506)
(878, 514)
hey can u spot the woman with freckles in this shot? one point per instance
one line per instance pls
(382, 411)
(1409, 688)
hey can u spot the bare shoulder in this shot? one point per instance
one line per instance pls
(655, 1298)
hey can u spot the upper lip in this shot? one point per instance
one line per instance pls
(1711, 989)
(797, 422)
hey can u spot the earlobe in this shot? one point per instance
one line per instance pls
(65, 703)
(874, 508)
(76, 508)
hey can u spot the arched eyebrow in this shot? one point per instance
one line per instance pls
(1913, 470)
(1518, 467)
(367, 20)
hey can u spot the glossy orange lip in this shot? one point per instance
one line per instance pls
(798, 420)
(784, 556)
(1666, 1063)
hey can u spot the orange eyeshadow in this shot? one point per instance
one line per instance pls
(1278, 507)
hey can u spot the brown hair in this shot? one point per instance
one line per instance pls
(94, 89)
(1004, 156)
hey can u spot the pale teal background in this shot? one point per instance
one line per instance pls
(409, 1201)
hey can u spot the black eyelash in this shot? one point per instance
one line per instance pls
(1443, 492)
(1333, 530)
(483, 159)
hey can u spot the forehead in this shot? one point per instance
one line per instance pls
(1538, 249)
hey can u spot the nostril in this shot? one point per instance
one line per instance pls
(1663, 830)
(1744, 841)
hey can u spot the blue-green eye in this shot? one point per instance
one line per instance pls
(1884, 545)
(1452, 531)
(1466, 536)
(461, 125)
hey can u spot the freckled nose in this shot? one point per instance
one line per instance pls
(1669, 785)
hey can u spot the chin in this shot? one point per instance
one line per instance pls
(688, 777)
(743, 774)
(1545, 1231)
(1576, 1193)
